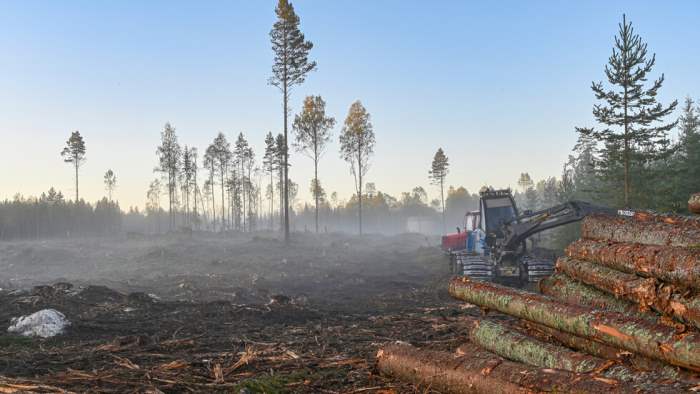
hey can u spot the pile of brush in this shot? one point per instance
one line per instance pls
(622, 314)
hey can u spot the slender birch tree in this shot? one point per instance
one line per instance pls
(357, 146)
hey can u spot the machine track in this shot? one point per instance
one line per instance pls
(473, 266)
(538, 268)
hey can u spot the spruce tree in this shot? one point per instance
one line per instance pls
(688, 180)
(634, 133)
(289, 68)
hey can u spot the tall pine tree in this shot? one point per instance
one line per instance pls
(634, 133)
(438, 172)
(74, 153)
(290, 67)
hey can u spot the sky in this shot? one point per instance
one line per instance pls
(499, 85)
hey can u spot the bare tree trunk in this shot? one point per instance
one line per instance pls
(243, 192)
(213, 202)
(272, 201)
(359, 172)
(286, 167)
(442, 198)
(196, 211)
(627, 155)
(316, 187)
(76, 181)
(281, 199)
(223, 201)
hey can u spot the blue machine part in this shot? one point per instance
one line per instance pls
(470, 242)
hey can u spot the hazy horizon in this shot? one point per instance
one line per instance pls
(499, 88)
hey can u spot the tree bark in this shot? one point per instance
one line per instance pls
(510, 344)
(286, 167)
(626, 138)
(650, 230)
(616, 329)
(676, 265)
(223, 203)
(646, 292)
(442, 200)
(316, 187)
(474, 370)
(243, 191)
(213, 199)
(603, 351)
(77, 195)
(562, 288)
(359, 171)
(272, 201)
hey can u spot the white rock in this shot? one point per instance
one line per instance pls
(46, 323)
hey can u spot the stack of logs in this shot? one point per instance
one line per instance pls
(621, 314)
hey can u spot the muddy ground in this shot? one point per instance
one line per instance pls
(223, 313)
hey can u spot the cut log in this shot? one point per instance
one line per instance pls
(646, 292)
(616, 329)
(676, 265)
(510, 344)
(474, 370)
(575, 342)
(607, 352)
(694, 203)
(631, 287)
(569, 291)
(648, 230)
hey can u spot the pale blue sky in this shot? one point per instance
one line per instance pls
(499, 86)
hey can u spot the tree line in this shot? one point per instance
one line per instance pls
(629, 159)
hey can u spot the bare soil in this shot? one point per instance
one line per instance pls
(223, 312)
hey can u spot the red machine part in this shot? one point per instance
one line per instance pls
(456, 241)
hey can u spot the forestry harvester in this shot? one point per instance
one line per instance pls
(492, 244)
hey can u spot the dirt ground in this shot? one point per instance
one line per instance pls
(223, 312)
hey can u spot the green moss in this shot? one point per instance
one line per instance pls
(518, 347)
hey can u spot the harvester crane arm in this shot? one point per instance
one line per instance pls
(519, 229)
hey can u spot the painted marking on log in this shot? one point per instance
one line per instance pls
(605, 380)
(612, 332)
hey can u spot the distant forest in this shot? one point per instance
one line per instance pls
(638, 155)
